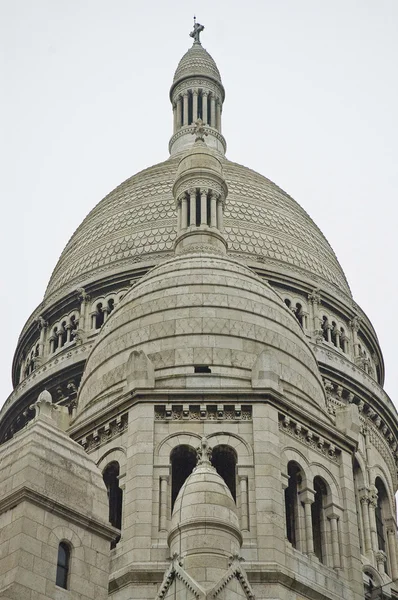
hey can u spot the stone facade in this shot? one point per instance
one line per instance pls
(215, 425)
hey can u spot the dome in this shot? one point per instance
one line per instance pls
(204, 515)
(200, 310)
(135, 226)
(196, 62)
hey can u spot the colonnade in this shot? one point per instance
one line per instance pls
(199, 208)
(190, 106)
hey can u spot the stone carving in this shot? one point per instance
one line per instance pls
(199, 131)
(209, 412)
(309, 438)
(105, 433)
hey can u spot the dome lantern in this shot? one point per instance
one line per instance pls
(196, 93)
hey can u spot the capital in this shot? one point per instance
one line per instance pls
(315, 297)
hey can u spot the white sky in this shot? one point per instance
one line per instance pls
(311, 102)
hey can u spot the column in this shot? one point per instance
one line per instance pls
(93, 319)
(174, 117)
(184, 212)
(213, 209)
(314, 302)
(42, 326)
(307, 498)
(392, 551)
(192, 207)
(105, 310)
(354, 325)
(163, 484)
(372, 518)
(364, 499)
(185, 115)
(68, 331)
(203, 207)
(204, 107)
(381, 559)
(213, 110)
(52, 343)
(194, 106)
(84, 298)
(218, 111)
(328, 332)
(220, 215)
(244, 503)
(59, 334)
(333, 520)
(336, 332)
(179, 112)
(178, 217)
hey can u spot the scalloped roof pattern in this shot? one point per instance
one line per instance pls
(136, 223)
(197, 61)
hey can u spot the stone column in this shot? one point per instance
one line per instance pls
(372, 518)
(218, 110)
(68, 332)
(184, 212)
(354, 326)
(163, 485)
(314, 302)
(392, 550)
(220, 215)
(203, 207)
(194, 106)
(84, 299)
(244, 503)
(42, 326)
(213, 209)
(213, 111)
(179, 217)
(105, 310)
(185, 101)
(204, 107)
(192, 207)
(364, 499)
(328, 332)
(285, 485)
(333, 520)
(59, 334)
(381, 559)
(307, 498)
(93, 316)
(336, 332)
(52, 343)
(179, 112)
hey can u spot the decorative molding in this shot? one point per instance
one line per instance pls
(302, 433)
(104, 434)
(203, 412)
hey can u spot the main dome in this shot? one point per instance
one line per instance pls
(135, 225)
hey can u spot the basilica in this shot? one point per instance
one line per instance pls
(198, 409)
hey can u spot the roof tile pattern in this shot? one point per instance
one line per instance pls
(197, 61)
(137, 223)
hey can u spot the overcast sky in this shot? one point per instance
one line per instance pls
(311, 102)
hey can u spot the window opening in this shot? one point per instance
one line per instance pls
(63, 561)
(202, 369)
(183, 462)
(190, 108)
(99, 317)
(299, 313)
(200, 105)
(291, 504)
(381, 540)
(115, 496)
(224, 460)
(324, 327)
(209, 110)
(197, 208)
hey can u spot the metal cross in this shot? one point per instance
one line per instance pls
(197, 28)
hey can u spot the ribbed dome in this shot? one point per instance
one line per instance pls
(200, 310)
(135, 225)
(196, 62)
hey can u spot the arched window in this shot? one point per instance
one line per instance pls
(115, 496)
(183, 462)
(99, 316)
(318, 518)
(381, 513)
(224, 460)
(63, 564)
(287, 302)
(298, 311)
(111, 305)
(324, 326)
(291, 503)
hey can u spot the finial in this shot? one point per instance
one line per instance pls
(197, 28)
(199, 130)
(203, 453)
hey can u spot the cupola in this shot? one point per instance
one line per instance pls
(196, 93)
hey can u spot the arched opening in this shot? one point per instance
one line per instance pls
(64, 334)
(287, 302)
(324, 327)
(63, 565)
(358, 484)
(99, 316)
(115, 496)
(111, 305)
(318, 518)
(298, 311)
(224, 460)
(291, 502)
(183, 462)
(200, 105)
(342, 339)
(190, 108)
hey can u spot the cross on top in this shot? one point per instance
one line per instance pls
(197, 28)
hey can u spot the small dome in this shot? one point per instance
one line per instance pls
(204, 508)
(197, 62)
